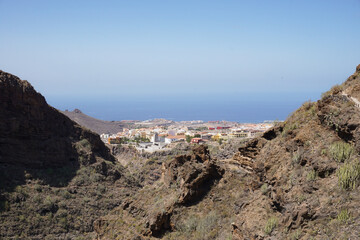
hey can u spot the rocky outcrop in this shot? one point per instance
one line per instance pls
(352, 84)
(159, 222)
(243, 161)
(34, 134)
(193, 174)
(146, 166)
(185, 181)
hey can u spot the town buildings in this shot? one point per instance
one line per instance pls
(160, 133)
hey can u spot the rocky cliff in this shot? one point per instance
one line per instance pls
(56, 178)
(35, 134)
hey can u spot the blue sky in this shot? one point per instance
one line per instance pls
(151, 48)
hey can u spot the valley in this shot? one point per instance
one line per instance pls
(297, 179)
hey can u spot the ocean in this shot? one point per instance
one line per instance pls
(242, 108)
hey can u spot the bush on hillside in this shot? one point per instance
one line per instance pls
(270, 225)
(349, 175)
(341, 151)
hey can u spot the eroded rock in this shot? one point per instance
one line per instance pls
(193, 174)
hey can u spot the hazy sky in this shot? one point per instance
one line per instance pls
(147, 48)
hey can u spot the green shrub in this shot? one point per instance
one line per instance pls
(49, 202)
(21, 218)
(333, 91)
(349, 175)
(96, 177)
(323, 152)
(340, 151)
(61, 213)
(85, 176)
(336, 89)
(188, 225)
(264, 188)
(37, 198)
(297, 156)
(270, 225)
(307, 105)
(19, 189)
(343, 216)
(100, 189)
(63, 222)
(65, 194)
(62, 204)
(301, 198)
(203, 227)
(207, 223)
(38, 187)
(325, 94)
(85, 143)
(310, 109)
(151, 161)
(289, 127)
(312, 175)
(296, 235)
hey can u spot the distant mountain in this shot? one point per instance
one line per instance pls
(95, 125)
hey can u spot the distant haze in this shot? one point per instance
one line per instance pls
(88, 54)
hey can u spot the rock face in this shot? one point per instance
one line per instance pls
(145, 166)
(185, 181)
(34, 134)
(56, 177)
(194, 174)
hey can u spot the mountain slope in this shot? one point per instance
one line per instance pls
(299, 180)
(95, 125)
(56, 178)
(308, 172)
(33, 133)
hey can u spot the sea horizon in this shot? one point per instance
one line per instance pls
(245, 108)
